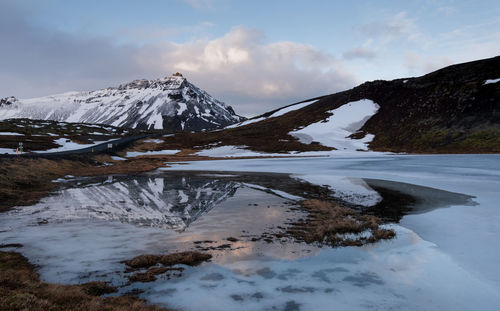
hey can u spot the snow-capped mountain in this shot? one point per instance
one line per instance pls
(170, 103)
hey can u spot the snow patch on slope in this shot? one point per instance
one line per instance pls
(132, 154)
(10, 134)
(345, 120)
(491, 81)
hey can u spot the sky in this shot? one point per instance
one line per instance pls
(254, 55)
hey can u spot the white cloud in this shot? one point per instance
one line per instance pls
(241, 68)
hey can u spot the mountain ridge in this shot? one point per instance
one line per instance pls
(170, 103)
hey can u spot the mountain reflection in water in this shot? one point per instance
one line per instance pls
(174, 200)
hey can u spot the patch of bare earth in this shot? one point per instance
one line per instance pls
(21, 289)
(335, 225)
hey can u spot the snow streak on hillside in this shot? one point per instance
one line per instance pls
(276, 113)
(168, 103)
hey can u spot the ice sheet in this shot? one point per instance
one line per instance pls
(407, 273)
(469, 235)
(440, 260)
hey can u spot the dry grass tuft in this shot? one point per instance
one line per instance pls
(143, 261)
(190, 258)
(332, 224)
(184, 258)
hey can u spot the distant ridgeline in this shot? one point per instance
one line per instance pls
(452, 110)
(170, 103)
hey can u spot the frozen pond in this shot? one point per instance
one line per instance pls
(443, 257)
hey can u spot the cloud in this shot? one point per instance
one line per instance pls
(361, 52)
(398, 27)
(240, 67)
(36, 61)
(418, 64)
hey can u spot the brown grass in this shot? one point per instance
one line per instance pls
(25, 181)
(190, 258)
(21, 289)
(330, 223)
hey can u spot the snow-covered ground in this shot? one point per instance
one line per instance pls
(132, 154)
(491, 81)
(68, 145)
(278, 113)
(153, 140)
(230, 151)
(334, 131)
(11, 134)
(65, 144)
(234, 152)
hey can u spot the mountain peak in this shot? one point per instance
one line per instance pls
(7, 101)
(176, 81)
(169, 103)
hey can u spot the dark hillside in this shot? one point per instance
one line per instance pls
(451, 110)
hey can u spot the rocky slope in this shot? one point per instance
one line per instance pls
(453, 110)
(170, 103)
